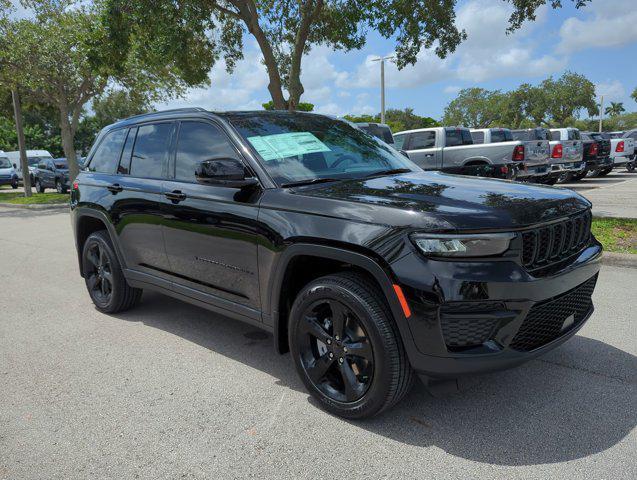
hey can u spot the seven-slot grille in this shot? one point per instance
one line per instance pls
(551, 244)
(547, 320)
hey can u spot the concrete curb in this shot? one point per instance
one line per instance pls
(36, 206)
(619, 260)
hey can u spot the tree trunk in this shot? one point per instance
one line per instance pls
(248, 14)
(24, 164)
(68, 144)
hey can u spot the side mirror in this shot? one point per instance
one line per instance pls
(404, 153)
(15, 166)
(224, 172)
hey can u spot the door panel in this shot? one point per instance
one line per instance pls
(210, 239)
(210, 231)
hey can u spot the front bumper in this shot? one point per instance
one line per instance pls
(472, 317)
(8, 180)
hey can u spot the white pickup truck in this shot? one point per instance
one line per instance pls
(622, 148)
(567, 153)
(451, 149)
(530, 154)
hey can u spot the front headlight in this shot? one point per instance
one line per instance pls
(469, 245)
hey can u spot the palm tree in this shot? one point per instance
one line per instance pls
(616, 108)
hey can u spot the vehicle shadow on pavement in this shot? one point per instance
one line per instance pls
(576, 401)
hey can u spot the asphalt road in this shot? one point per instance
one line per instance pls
(172, 391)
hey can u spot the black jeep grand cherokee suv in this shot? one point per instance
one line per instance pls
(367, 268)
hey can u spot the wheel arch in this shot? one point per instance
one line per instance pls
(326, 255)
(88, 221)
(476, 161)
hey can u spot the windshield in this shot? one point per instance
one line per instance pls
(299, 147)
(5, 163)
(33, 161)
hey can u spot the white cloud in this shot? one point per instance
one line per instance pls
(452, 89)
(490, 53)
(609, 24)
(244, 89)
(428, 69)
(613, 91)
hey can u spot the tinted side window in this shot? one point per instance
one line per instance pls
(42, 165)
(124, 164)
(399, 141)
(106, 157)
(497, 136)
(197, 142)
(420, 140)
(573, 135)
(151, 150)
(555, 135)
(453, 137)
(478, 137)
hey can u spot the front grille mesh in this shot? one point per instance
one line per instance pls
(552, 244)
(545, 320)
(461, 330)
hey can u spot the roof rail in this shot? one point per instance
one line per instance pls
(172, 110)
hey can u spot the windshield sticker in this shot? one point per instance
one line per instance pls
(282, 145)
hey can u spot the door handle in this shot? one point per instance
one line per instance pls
(429, 155)
(115, 188)
(175, 196)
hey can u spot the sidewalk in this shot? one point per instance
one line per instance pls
(616, 200)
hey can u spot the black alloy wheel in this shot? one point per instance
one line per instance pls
(103, 276)
(58, 186)
(335, 351)
(346, 346)
(38, 186)
(99, 279)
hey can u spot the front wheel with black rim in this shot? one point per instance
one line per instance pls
(103, 275)
(38, 186)
(346, 346)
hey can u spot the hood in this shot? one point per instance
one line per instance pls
(465, 203)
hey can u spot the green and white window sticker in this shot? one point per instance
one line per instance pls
(282, 145)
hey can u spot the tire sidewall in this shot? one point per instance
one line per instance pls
(375, 396)
(115, 271)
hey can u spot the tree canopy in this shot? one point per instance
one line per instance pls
(554, 102)
(398, 120)
(192, 35)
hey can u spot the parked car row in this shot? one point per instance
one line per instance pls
(539, 155)
(44, 170)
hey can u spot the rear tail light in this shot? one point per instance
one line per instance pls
(518, 153)
(620, 146)
(594, 149)
(76, 185)
(557, 151)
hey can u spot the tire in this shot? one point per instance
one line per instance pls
(14, 185)
(103, 276)
(550, 181)
(59, 188)
(630, 167)
(577, 177)
(603, 173)
(38, 186)
(368, 329)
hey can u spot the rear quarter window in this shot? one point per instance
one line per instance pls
(106, 157)
(477, 137)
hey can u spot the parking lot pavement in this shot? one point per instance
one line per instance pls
(169, 390)
(612, 196)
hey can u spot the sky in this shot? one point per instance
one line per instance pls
(598, 41)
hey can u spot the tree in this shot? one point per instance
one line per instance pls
(13, 54)
(398, 120)
(567, 96)
(286, 30)
(301, 107)
(615, 108)
(634, 94)
(74, 64)
(474, 107)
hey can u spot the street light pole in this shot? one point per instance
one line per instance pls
(382, 85)
(601, 113)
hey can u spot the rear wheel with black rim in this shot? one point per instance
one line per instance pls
(103, 276)
(346, 346)
(59, 187)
